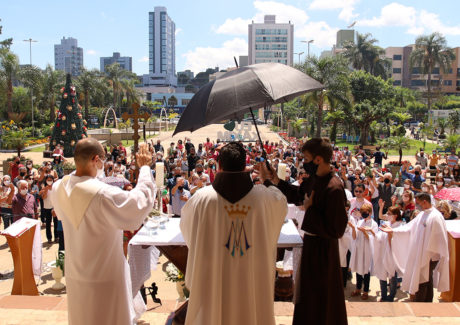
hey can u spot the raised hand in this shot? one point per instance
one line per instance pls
(143, 157)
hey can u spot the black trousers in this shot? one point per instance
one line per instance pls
(48, 218)
(61, 240)
(425, 290)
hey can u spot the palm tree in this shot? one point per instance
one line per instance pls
(365, 55)
(452, 142)
(442, 123)
(51, 83)
(131, 93)
(332, 73)
(9, 70)
(114, 74)
(431, 51)
(85, 82)
(454, 121)
(396, 143)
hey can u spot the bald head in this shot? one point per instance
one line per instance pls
(86, 149)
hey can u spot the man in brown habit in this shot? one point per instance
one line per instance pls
(319, 295)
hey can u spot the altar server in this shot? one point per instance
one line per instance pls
(93, 216)
(421, 251)
(231, 229)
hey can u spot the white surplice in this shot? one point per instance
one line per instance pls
(345, 243)
(362, 248)
(384, 263)
(96, 271)
(231, 278)
(415, 244)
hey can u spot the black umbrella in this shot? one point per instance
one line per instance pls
(242, 90)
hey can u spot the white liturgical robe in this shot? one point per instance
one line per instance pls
(362, 248)
(232, 255)
(415, 244)
(97, 274)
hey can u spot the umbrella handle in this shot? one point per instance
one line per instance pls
(264, 154)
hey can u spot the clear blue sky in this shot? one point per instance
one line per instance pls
(210, 32)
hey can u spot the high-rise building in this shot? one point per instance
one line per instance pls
(270, 42)
(162, 49)
(68, 56)
(344, 36)
(125, 62)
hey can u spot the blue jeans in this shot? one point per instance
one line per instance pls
(7, 216)
(393, 288)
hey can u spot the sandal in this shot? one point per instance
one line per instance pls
(365, 296)
(356, 293)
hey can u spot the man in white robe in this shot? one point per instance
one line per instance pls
(231, 229)
(94, 216)
(421, 251)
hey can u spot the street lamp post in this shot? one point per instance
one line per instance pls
(308, 46)
(299, 54)
(31, 88)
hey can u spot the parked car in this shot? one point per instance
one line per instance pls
(249, 119)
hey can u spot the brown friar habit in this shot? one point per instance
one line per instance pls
(320, 300)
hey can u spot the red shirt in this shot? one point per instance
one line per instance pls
(22, 206)
(208, 146)
(14, 170)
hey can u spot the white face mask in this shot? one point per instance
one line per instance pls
(439, 183)
(100, 172)
(23, 192)
(30, 182)
(49, 182)
(425, 189)
(406, 186)
(350, 173)
(6, 183)
(133, 167)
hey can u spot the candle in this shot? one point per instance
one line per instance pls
(159, 174)
(282, 171)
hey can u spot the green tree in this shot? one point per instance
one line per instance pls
(69, 126)
(114, 75)
(396, 143)
(332, 73)
(9, 71)
(130, 91)
(442, 123)
(365, 55)
(6, 43)
(454, 121)
(452, 142)
(15, 139)
(85, 82)
(418, 110)
(431, 51)
(373, 100)
(51, 81)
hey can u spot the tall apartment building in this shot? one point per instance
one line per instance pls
(68, 56)
(270, 42)
(162, 49)
(405, 76)
(125, 62)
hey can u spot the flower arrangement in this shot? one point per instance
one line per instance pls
(173, 274)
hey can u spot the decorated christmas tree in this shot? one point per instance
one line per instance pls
(70, 126)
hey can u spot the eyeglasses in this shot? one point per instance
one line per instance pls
(358, 191)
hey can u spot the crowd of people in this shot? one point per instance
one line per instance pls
(375, 196)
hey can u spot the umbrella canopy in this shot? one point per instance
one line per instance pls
(449, 194)
(237, 91)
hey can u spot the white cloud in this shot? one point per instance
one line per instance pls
(320, 32)
(178, 30)
(143, 59)
(284, 14)
(237, 26)
(347, 7)
(417, 22)
(91, 52)
(202, 58)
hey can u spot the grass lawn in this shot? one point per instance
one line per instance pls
(415, 146)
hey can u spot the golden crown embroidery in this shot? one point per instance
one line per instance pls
(237, 238)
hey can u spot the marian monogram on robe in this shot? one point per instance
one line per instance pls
(237, 242)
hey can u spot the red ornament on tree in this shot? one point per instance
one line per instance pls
(57, 124)
(65, 95)
(73, 100)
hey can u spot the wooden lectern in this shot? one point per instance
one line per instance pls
(20, 237)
